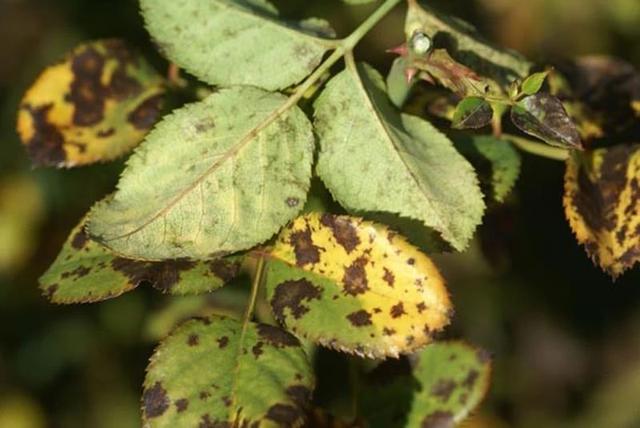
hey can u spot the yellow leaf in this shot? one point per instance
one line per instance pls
(355, 286)
(95, 105)
(602, 203)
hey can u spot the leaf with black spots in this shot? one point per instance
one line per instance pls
(213, 178)
(212, 372)
(86, 272)
(355, 286)
(472, 113)
(375, 160)
(543, 116)
(236, 42)
(454, 378)
(602, 204)
(95, 105)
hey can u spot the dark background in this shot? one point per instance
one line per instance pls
(566, 339)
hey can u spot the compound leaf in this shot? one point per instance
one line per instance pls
(602, 204)
(214, 178)
(212, 372)
(472, 113)
(454, 378)
(374, 159)
(543, 116)
(86, 272)
(355, 286)
(95, 105)
(235, 42)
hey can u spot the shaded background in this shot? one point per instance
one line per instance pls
(566, 339)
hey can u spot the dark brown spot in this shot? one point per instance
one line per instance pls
(293, 202)
(360, 318)
(443, 389)
(257, 349)
(50, 291)
(123, 86)
(388, 277)
(79, 239)
(225, 270)
(343, 231)
(292, 295)
(78, 272)
(147, 113)
(421, 307)
(438, 420)
(471, 379)
(284, 414)
(300, 394)
(193, 340)
(205, 125)
(388, 331)
(226, 400)
(222, 342)
(397, 310)
(46, 145)
(204, 395)
(355, 278)
(182, 404)
(306, 252)
(411, 261)
(155, 401)
(87, 93)
(106, 133)
(275, 336)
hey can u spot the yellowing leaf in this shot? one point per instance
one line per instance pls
(602, 204)
(86, 272)
(355, 286)
(95, 105)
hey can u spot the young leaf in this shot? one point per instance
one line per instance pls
(472, 112)
(602, 204)
(355, 286)
(212, 372)
(454, 378)
(486, 60)
(497, 162)
(543, 116)
(533, 83)
(213, 178)
(95, 105)
(235, 42)
(374, 159)
(86, 272)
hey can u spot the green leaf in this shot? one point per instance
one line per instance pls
(496, 161)
(454, 378)
(212, 372)
(543, 116)
(235, 42)
(374, 159)
(214, 178)
(533, 83)
(359, 1)
(85, 272)
(473, 113)
(93, 106)
(399, 88)
(355, 286)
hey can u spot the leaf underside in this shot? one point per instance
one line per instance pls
(355, 286)
(214, 178)
(374, 159)
(209, 373)
(95, 105)
(235, 42)
(602, 204)
(86, 272)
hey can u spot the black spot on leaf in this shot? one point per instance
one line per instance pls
(343, 231)
(306, 252)
(275, 336)
(355, 277)
(360, 318)
(155, 401)
(284, 414)
(292, 295)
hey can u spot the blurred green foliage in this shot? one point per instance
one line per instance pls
(566, 340)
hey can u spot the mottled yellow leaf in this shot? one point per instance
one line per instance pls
(95, 105)
(355, 286)
(602, 203)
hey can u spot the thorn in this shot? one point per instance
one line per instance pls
(410, 73)
(401, 50)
